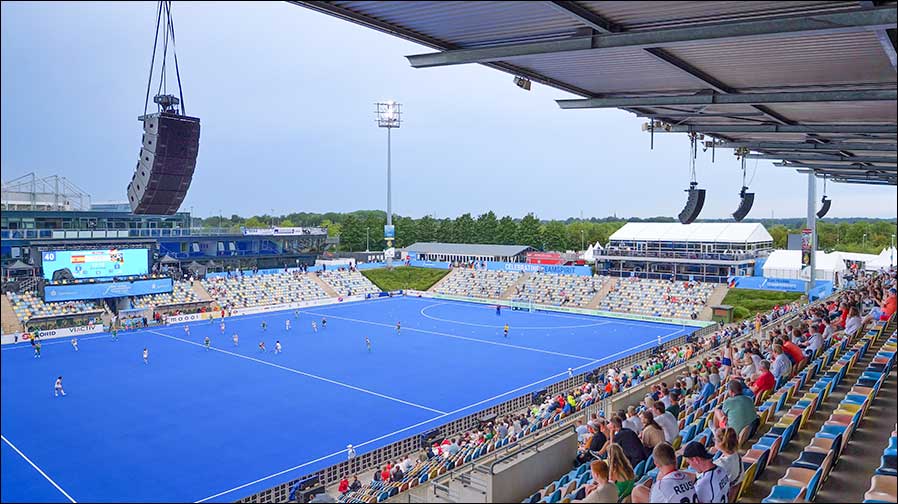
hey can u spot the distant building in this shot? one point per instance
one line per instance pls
(708, 252)
(465, 252)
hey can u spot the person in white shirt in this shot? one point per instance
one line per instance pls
(670, 485)
(782, 366)
(713, 483)
(146, 355)
(748, 370)
(57, 388)
(75, 344)
(853, 323)
(632, 422)
(668, 423)
(726, 442)
(814, 343)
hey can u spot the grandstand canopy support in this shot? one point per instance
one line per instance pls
(779, 78)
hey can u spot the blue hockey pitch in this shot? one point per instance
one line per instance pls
(222, 424)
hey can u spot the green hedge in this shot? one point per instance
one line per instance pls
(747, 302)
(404, 277)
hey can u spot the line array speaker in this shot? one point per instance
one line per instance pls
(166, 165)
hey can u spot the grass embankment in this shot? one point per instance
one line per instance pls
(404, 277)
(747, 302)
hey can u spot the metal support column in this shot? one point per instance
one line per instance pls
(389, 199)
(812, 225)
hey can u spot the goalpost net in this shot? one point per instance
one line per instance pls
(522, 304)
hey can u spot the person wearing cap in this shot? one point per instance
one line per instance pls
(713, 483)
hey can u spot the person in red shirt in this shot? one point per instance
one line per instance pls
(765, 380)
(794, 352)
(385, 474)
(344, 486)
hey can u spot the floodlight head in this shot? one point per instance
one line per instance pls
(389, 114)
(522, 82)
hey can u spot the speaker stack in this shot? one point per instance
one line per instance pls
(825, 208)
(694, 204)
(167, 161)
(747, 200)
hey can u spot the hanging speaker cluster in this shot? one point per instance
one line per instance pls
(825, 208)
(694, 204)
(167, 161)
(745, 203)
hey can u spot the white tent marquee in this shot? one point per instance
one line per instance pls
(590, 254)
(787, 264)
(885, 259)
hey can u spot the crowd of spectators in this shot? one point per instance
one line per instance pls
(658, 298)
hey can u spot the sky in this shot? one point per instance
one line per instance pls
(286, 99)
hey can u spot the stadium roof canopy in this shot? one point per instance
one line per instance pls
(811, 84)
(704, 232)
(466, 249)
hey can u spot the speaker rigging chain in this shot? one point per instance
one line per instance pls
(162, 99)
(693, 153)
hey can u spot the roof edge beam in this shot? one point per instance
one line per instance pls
(584, 15)
(778, 128)
(797, 25)
(832, 146)
(733, 99)
(847, 168)
(804, 157)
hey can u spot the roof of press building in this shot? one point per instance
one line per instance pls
(706, 232)
(467, 249)
(810, 84)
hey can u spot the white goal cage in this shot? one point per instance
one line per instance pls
(522, 304)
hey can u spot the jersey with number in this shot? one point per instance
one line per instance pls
(713, 485)
(676, 486)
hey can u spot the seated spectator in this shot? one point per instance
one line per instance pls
(726, 442)
(707, 390)
(748, 368)
(782, 366)
(620, 471)
(765, 380)
(813, 344)
(737, 411)
(652, 433)
(632, 421)
(853, 322)
(594, 446)
(667, 421)
(670, 485)
(356, 485)
(713, 483)
(603, 490)
(627, 440)
(794, 353)
(343, 487)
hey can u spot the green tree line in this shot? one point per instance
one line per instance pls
(362, 228)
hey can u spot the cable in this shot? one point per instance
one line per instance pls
(174, 50)
(146, 100)
(753, 172)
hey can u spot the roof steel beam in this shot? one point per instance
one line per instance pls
(792, 146)
(779, 128)
(855, 168)
(734, 99)
(797, 25)
(824, 157)
(584, 15)
(886, 38)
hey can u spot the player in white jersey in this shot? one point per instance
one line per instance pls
(659, 340)
(235, 338)
(570, 372)
(75, 344)
(187, 330)
(146, 355)
(670, 485)
(222, 327)
(314, 326)
(287, 324)
(713, 483)
(277, 347)
(57, 388)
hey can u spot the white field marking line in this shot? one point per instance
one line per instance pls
(487, 342)
(69, 497)
(529, 328)
(310, 375)
(463, 408)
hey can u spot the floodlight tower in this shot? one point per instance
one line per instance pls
(389, 115)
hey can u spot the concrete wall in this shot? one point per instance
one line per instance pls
(527, 473)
